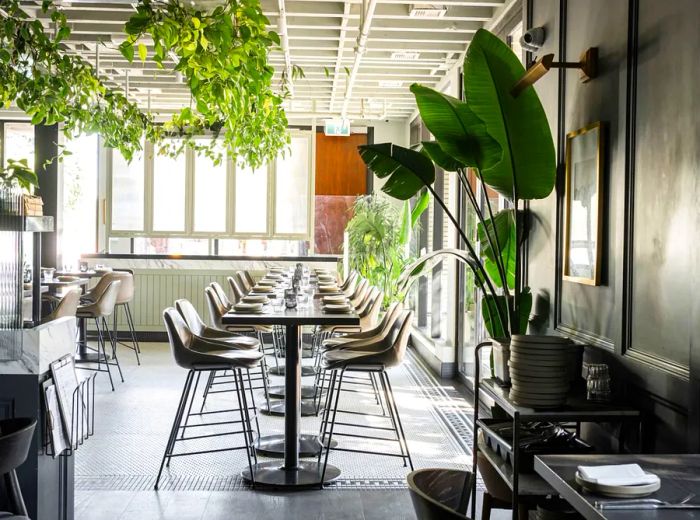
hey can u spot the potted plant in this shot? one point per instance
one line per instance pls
(378, 240)
(494, 139)
(15, 179)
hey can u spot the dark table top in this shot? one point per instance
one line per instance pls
(679, 474)
(79, 274)
(312, 315)
(58, 283)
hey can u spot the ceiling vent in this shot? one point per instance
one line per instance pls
(404, 55)
(427, 10)
(390, 83)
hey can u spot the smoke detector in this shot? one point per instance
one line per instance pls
(426, 10)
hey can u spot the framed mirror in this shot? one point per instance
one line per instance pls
(583, 210)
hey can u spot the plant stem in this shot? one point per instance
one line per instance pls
(470, 248)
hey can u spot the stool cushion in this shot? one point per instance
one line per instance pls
(232, 340)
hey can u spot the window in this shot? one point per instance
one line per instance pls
(127, 192)
(210, 189)
(79, 216)
(169, 185)
(190, 202)
(292, 188)
(18, 142)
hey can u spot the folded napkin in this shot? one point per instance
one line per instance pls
(617, 475)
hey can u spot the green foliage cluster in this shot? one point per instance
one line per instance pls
(222, 55)
(378, 238)
(507, 143)
(18, 173)
(54, 87)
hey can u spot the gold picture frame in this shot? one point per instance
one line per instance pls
(583, 208)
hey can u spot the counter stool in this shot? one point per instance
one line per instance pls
(15, 439)
(246, 281)
(233, 340)
(67, 306)
(197, 355)
(99, 311)
(124, 299)
(372, 357)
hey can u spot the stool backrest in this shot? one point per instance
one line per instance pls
(221, 294)
(104, 305)
(369, 317)
(243, 281)
(126, 289)
(397, 341)
(350, 281)
(249, 279)
(236, 290)
(359, 292)
(66, 307)
(190, 315)
(367, 300)
(179, 336)
(216, 307)
(15, 438)
(390, 316)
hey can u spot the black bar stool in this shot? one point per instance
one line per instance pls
(197, 354)
(15, 438)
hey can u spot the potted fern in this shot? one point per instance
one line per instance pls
(492, 138)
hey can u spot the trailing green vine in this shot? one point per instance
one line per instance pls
(53, 87)
(222, 55)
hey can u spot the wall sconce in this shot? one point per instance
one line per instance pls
(588, 64)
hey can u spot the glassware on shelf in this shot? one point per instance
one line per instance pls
(598, 383)
(290, 298)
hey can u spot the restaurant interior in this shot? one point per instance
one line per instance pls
(314, 259)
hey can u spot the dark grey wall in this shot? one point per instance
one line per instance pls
(644, 318)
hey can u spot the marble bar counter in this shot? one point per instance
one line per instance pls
(25, 356)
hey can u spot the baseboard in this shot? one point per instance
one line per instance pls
(424, 346)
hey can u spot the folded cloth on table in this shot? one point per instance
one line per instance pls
(617, 475)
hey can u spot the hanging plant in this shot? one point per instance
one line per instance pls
(54, 87)
(222, 54)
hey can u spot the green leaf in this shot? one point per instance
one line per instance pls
(438, 156)
(406, 171)
(520, 124)
(143, 52)
(405, 229)
(457, 129)
(127, 50)
(62, 34)
(499, 232)
(421, 205)
(489, 312)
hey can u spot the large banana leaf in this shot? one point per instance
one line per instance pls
(500, 233)
(426, 262)
(490, 306)
(457, 129)
(421, 205)
(438, 156)
(518, 124)
(407, 171)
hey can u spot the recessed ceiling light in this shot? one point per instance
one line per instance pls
(427, 10)
(390, 83)
(404, 55)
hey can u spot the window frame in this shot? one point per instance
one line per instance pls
(190, 197)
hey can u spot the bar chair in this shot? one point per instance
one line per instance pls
(99, 311)
(234, 340)
(246, 281)
(15, 439)
(372, 357)
(196, 355)
(67, 306)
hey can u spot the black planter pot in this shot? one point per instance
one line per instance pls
(440, 494)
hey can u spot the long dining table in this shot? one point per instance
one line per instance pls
(292, 472)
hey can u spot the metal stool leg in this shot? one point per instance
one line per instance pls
(130, 320)
(189, 408)
(113, 341)
(101, 347)
(330, 433)
(176, 425)
(398, 418)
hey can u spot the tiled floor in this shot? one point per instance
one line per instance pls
(115, 468)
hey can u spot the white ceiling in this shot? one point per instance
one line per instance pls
(362, 81)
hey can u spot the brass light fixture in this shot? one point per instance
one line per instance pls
(588, 64)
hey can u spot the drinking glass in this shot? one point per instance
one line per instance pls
(598, 382)
(303, 299)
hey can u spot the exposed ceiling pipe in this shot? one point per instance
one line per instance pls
(284, 40)
(368, 7)
(341, 48)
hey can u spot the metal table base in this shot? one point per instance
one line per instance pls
(304, 475)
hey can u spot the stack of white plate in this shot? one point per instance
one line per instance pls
(336, 307)
(248, 308)
(618, 481)
(328, 288)
(334, 298)
(539, 370)
(267, 283)
(262, 289)
(255, 298)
